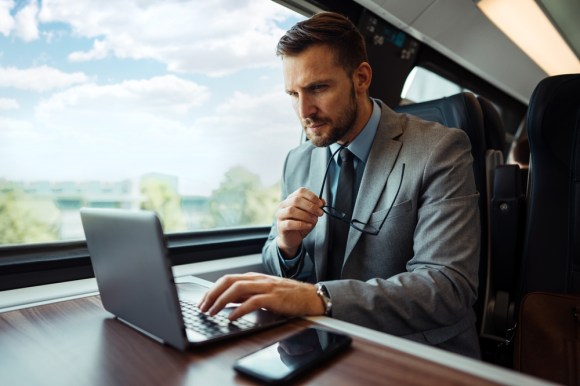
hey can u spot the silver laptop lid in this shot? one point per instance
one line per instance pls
(133, 271)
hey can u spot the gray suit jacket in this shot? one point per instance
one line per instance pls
(418, 277)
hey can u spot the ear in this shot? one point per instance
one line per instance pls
(362, 77)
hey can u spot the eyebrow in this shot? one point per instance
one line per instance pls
(313, 83)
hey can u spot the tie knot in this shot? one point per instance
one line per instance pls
(345, 156)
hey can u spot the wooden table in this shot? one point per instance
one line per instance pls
(76, 342)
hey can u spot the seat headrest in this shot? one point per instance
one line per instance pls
(493, 126)
(553, 119)
(461, 111)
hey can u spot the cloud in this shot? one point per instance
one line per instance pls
(100, 51)
(167, 123)
(8, 104)
(26, 25)
(114, 132)
(104, 132)
(6, 19)
(240, 34)
(162, 94)
(254, 131)
(41, 78)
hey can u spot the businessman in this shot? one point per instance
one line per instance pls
(379, 222)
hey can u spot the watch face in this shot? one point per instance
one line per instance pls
(322, 292)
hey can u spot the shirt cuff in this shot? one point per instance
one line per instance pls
(290, 265)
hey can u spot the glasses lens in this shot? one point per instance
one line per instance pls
(364, 227)
(329, 210)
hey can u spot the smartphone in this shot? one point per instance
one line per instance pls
(289, 358)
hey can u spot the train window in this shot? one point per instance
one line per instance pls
(423, 85)
(175, 106)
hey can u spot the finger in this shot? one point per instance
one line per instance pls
(225, 282)
(298, 214)
(213, 293)
(241, 290)
(253, 303)
(306, 193)
(295, 213)
(293, 225)
(304, 199)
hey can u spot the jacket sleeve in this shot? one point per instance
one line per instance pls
(272, 260)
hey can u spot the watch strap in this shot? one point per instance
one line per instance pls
(322, 293)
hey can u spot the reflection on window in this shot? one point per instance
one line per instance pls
(423, 85)
(174, 106)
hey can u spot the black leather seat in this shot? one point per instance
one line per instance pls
(551, 251)
(493, 127)
(505, 216)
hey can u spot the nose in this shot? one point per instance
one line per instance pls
(304, 107)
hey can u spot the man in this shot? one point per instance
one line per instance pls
(405, 261)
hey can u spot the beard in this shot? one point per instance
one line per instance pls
(339, 127)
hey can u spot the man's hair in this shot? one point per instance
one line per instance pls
(328, 29)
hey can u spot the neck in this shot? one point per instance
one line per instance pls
(365, 109)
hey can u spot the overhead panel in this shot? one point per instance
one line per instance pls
(451, 27)
(565, 15)
(463, 31)
(405, 11)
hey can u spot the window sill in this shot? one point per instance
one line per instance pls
(51, 293)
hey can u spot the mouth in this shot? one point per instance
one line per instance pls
(315, 126)
(314, 130)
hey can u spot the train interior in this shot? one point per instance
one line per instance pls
(523, 125)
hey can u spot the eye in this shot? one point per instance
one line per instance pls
(318, 87)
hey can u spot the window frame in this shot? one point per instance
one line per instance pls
(29, 265)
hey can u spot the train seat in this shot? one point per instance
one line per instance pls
(493, 127)
(551, 251)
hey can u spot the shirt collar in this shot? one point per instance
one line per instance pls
(361, 145)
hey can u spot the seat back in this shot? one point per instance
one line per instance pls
(493, 127)
(551, 251)
(505, 221)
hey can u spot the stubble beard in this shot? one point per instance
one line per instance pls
(343, 124)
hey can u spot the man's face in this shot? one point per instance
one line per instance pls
(323, 95)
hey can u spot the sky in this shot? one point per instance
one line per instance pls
(114, 89)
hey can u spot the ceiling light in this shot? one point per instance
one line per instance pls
(528, 27)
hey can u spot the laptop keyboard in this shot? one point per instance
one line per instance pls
(207, 325)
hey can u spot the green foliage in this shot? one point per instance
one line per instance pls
(24, 220)
(242, 200)
(161, 197)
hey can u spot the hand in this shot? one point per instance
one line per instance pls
(295, 218)
(256, 290)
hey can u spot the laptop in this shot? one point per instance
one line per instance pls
(136, 284)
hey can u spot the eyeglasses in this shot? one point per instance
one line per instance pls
(354, 223)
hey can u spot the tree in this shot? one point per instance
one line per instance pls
(26, 221)
(161, 197)
(242, 200)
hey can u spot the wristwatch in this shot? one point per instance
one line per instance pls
(322, 292)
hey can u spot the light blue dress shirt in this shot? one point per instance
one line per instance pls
(360, 147)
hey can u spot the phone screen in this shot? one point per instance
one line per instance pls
(290, 357)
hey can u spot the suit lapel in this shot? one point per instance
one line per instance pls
(318, 163)
(380, 164)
